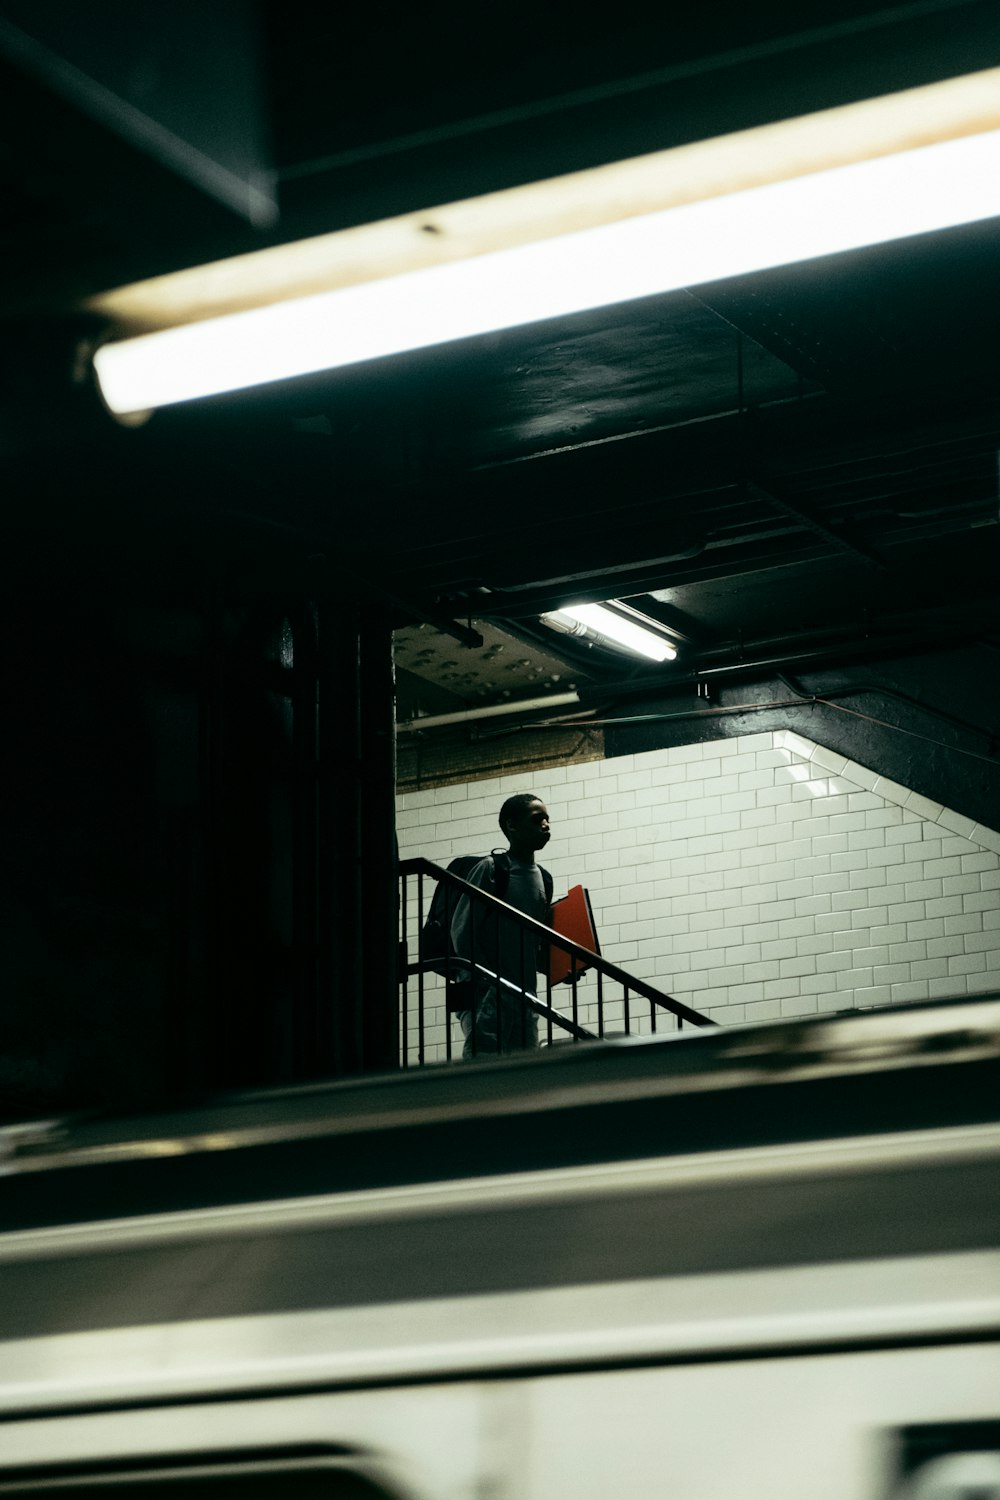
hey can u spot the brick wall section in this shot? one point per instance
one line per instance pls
(753, 878)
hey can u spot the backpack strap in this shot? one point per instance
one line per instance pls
(501, 872)
(501, 875)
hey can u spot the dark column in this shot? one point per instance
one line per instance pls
(379, 883)
(306, 1001)
(339, 1029)
(356, 1030)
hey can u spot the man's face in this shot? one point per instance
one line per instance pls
(530, 826)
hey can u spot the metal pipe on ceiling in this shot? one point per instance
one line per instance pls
(490, 711)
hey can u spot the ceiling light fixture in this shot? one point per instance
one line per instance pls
(909, 163)
(615, 622)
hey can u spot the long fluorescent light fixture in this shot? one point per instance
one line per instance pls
(619, 624)
(909, 163)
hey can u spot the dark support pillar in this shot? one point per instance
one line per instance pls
(216, 1062)
(343, 858)
(379, 885)
(339, 1045)
(306, 1002)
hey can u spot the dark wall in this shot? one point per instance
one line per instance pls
(148, 798)
(929, 720)
(176, 918)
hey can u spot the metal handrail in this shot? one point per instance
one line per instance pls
(532, 1001)
(596, 961)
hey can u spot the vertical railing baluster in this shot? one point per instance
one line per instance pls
(450, 903)
(404, 889)
(573, 990)
(420, 980)
(524, 1003)
(652, 1015)
(600, 1003)
(474, 982)
(449, 968)
(496, 982)
(628, 1017)
(421, 977)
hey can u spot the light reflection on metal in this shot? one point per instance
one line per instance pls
(828, 1157)
(738, 1056)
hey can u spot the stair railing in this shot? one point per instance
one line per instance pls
(428, 1002)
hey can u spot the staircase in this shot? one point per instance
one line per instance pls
(597, 1000)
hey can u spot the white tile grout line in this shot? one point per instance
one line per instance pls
(834, 764)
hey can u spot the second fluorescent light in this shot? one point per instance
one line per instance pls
(621, 625)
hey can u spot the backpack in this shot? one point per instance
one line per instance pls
(435, 941)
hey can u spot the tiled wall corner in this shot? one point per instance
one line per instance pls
(753, 878)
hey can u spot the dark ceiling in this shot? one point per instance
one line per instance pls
(800, 465)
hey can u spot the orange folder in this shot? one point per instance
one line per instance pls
(573, 918)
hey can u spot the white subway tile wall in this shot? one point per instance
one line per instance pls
(755, 878)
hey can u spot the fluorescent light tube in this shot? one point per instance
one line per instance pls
(809, 212)
(625, 632)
